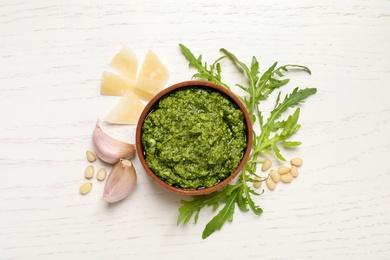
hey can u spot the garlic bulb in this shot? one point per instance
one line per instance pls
(110, 150)
(120, 182)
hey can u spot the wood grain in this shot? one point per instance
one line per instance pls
(52, 54)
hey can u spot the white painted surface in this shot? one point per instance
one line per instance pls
(52, 54)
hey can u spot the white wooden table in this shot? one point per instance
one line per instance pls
(52, 54)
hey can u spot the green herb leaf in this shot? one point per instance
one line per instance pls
(189, 208)
(225, 214)
(279, 70)
(291, 144)
(212, 73)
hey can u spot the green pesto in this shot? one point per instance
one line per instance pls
(194, 138)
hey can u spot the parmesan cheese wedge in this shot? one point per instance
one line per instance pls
(146, 88)
(152, 77)
(126, 111)
(126, 63)
(114, 85)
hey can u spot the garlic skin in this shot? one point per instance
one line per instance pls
(120, 182)
(108, 149)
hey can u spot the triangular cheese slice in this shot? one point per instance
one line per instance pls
(152, 77)
(126, 63)
(126, 111)
(114, 85)
(146, 88)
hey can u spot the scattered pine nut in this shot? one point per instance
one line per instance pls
(89, 171)
(283, 170)
(266, 165)
(91, 156)
(286, 178)
(270, 184)
(275, 176)
(101, 174)
(294, 171)
(296, 161)
(257, 184)
(85, 188)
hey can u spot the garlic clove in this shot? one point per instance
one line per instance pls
(120, 182)
(108, 149)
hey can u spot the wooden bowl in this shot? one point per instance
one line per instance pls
(193, 84)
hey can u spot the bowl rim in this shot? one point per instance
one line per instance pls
(188, 84)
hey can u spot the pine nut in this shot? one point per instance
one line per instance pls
(257, 184)
(286, 178)
(91, 156)
(294, 171)
(275, 176)
(266, 165)
(85, 188)
(101, 174)
(270, 184)
(283, 170)
(89, 171)
(296, 161)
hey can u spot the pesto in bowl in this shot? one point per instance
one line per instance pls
(194, 137)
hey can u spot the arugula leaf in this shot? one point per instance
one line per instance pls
(211, 73)
(279, 70)
(289, 127)
(273, 132)
(194, 206)
(226, 214)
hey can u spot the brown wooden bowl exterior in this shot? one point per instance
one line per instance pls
(187, 84)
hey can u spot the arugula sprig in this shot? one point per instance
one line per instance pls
(211, 73)
(273, 132)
